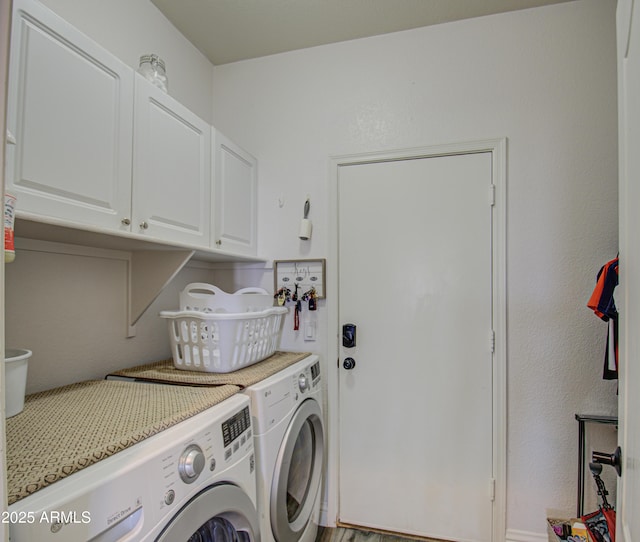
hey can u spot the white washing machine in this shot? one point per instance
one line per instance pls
(193, 482)
(289, 441)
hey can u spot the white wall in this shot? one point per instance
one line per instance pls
(545, 79)
(68, 305)
(131, 28)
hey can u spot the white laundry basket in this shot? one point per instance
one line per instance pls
(223, 342)
(202, 297)
(16, 362)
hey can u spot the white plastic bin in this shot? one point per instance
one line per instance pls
(223, 342)
(16, 362)
(202, 297)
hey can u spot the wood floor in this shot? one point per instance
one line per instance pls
(341, 534)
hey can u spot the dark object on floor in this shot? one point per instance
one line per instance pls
(601, 524)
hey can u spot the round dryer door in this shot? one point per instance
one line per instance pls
(222, 513)
(298, 473)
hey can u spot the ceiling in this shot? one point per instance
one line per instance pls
(231, 30)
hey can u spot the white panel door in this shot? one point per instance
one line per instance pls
(235, 198)
(415, 257)
(70, 108)
(628, 300)
(172, 169)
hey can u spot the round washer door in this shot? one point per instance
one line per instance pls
(298, 473)
(221, 513)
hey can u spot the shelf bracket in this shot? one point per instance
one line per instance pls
(149, 272)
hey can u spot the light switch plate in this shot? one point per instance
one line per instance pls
(309, 331)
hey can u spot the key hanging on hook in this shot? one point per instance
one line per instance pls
(312, 300)
(282, 296)
(296, 315)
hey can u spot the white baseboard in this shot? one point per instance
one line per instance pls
(525, 536)
(512, 535)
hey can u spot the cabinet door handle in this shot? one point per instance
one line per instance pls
(126, 222)
(144, 225)
(219, 242)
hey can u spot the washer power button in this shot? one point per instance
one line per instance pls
(169, 496)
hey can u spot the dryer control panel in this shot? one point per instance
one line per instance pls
(280, 394)
(308, 378)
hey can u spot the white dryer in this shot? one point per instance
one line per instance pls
(193, 482)
(289, 442)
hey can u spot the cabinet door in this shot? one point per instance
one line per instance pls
(172, 169)
(70, 108)
(235, 197)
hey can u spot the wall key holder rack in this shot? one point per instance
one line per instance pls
(306, 274)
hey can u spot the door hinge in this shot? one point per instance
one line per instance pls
(492, 489)
(492, 194)
(492, 341)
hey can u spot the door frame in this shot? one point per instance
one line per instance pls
(626, 33)
(498, 150)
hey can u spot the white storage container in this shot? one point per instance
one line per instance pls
(223, 342)
(15, 379)
(202, 297)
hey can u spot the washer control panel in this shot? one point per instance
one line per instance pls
(233, 428)
(139, 489)
(191, 463)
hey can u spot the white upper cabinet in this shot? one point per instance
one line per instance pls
(235, 197)
(99, 148)
(70, 111)
(171, 169)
